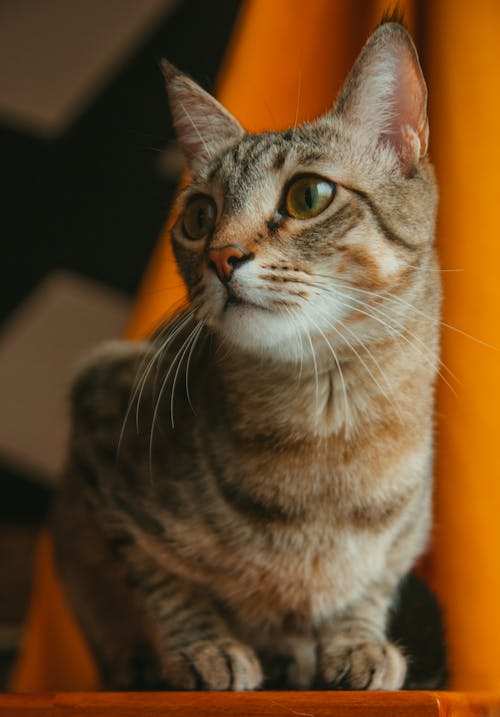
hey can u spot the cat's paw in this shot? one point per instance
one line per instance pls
(216, 665)
(365, 665)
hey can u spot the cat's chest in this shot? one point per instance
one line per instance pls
(302, 579)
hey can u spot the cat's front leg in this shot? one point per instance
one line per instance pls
(196, 647)
(353, 650)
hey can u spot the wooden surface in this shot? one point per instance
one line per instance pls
(294, 704)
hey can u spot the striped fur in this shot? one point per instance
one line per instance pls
(245, 492)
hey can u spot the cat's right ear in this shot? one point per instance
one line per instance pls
(203, 125)
(386, 96)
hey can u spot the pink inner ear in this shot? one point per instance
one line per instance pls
(409, 109)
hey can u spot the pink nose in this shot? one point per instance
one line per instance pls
(225, 259)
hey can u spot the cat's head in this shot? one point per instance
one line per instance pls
(281, 236)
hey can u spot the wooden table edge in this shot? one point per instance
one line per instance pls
(242, 704)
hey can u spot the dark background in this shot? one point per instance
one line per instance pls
(92, 201)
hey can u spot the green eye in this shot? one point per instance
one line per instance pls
(199, 217)
(309, 196)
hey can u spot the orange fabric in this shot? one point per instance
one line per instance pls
(54, 656)
(285, 64)
(465, 113)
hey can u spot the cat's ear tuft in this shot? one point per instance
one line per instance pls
(385, 94)
(203, 125)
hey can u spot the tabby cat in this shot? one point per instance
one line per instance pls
(247, 492)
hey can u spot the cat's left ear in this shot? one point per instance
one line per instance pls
(203, 125)
(385, 94)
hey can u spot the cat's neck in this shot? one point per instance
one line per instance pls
(321, 397)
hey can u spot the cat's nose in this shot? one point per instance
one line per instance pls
(225, 259)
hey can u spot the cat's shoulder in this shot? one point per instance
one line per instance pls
(104, 378)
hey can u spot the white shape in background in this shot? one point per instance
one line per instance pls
(56, 55)
(40, 345)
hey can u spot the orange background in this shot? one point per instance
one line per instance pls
(286, 63)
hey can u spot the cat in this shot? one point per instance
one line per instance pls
(247, 492)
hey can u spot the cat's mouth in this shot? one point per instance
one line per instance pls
(233, 300)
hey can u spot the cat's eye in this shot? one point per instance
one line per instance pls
(308, 196)
(199, 217)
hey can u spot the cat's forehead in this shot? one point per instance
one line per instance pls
(249, 166)
(248, 174)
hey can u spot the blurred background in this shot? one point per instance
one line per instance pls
(90, 166)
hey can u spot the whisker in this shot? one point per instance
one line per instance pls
(315, 363)
(201, 325)
(391, 319)
(339, 369)
(404, 328)
(300, 345)
(140, 376)
(370, 354)
(180, 327)
(398, 334)
(184, 312)
(398, 299)
(158, 400)
(187, 345)
(299, 89)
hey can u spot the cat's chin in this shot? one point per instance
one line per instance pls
(258, 330)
